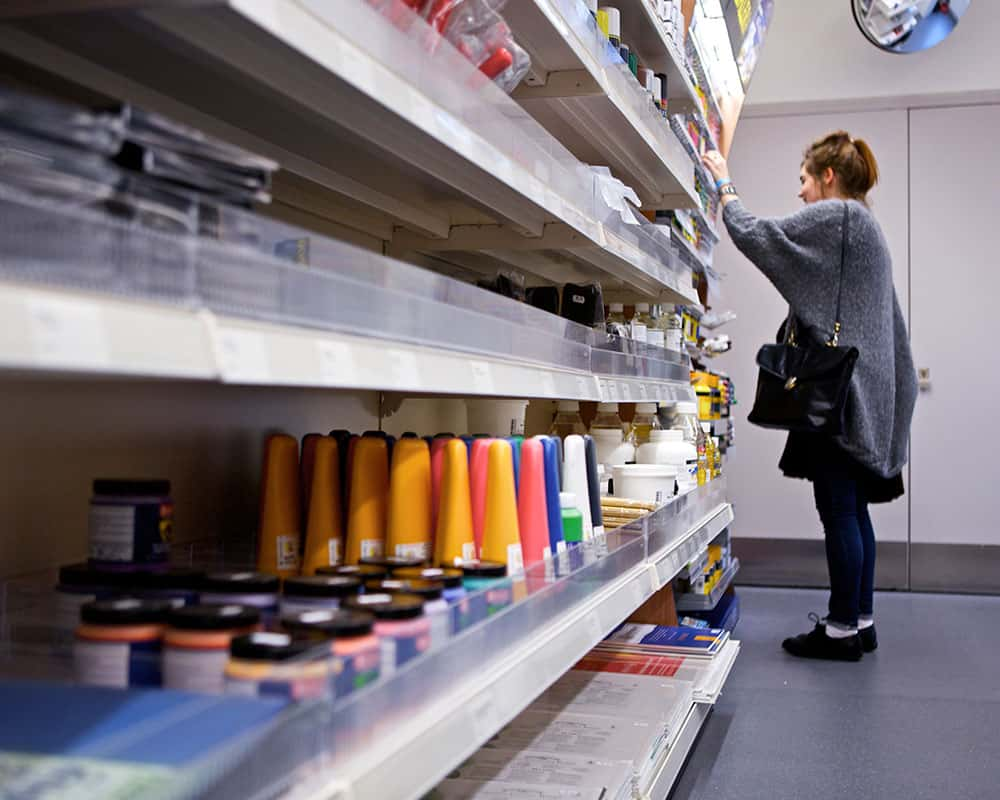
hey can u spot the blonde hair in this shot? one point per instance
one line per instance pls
(851, 160)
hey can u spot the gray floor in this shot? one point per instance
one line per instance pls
(920, 718)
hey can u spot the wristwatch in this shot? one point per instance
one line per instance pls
(728, 189)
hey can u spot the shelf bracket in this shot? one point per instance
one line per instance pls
(565, 83)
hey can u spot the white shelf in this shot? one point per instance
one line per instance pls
(445, 151)
(418, 750)
(596, 109)
(73, 332)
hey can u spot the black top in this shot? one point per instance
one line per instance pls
(270, 647)
(388, 606)
(428, 590)
(322, 586)
(484, 569)
(241, 582)
(212, 617)
(335, 624)
(86, 575)
(125, 611)
(364, 572)
(172, 578)
(393, 563)
(140, 488)
(808, 455)
(450, 577)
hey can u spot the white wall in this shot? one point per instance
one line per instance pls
(815, 59)
(764, 164)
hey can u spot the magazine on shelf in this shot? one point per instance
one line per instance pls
(662, 639)
(599, 692)
(493, 770)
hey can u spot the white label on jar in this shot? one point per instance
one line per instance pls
(515, 559)
(655, 337)
(673, 340)
(439, 613)
(67, 619)
(101, 663)
(387, 646)
(413, 550)
(288, 551)
(468, 551)
(372, 548)
(112, 532)
(638, 331)
(194, 670)
(333, 551)
(299, 605)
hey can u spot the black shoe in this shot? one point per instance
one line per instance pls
(816, 644)
(869, 641)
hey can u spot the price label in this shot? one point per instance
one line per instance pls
(595, 631)
(643, 391)
(243, 356)
(583, 387)
(68, 333)
(403, 370)
(626, 392)
(548, 384)
(482, 377)
(482, 715)
(336, 362)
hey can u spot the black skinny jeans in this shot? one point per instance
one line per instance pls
(850, 542)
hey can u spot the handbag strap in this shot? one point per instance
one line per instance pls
(835, 338)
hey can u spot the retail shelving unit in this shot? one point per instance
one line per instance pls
(407, 146)
(428, 737)
(594, 106)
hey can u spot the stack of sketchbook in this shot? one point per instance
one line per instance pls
(603, 730)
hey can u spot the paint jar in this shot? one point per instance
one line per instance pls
(354, 646)
(196, 644)
(400, 625)
(316, 591)
(131, 522)
(179, 585)
(391, 563)
(363, 572)
(78, 585)
(276, 665)
(450, 579)
(490, 591)
(257, 590)
(118, 642)
(436, 608)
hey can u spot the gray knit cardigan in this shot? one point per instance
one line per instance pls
(800, 255)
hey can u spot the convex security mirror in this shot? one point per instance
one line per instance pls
(907, 26)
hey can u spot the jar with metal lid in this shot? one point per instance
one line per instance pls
(78, 585)
(490, 591)
(353, 644)
(196, 644)
(255, 589)
(436, 608)
(277, 665)
(400, 625)
(317, 591)
(131, 522)
(363, 572)
(118, 642)
(180, 584)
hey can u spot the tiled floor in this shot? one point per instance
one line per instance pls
(919, 718)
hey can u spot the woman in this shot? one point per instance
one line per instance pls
(800, 255)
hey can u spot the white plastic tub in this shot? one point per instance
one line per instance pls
(650, 483)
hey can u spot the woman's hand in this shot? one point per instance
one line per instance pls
(716, 164)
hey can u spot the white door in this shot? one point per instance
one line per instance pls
(780, 532)
(954, 291)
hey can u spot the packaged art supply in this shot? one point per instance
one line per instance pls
(324, 544)
(131, 522)
(278, 538)
(196, 644)
(402, 629)
(352, 641)
(275, 664)
(316, 591)
(369, 499)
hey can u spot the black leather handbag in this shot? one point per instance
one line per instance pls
(802, 386)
